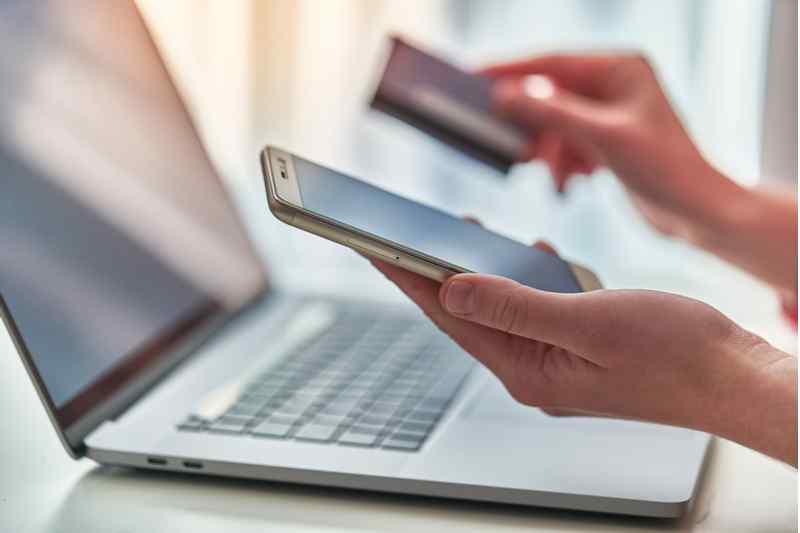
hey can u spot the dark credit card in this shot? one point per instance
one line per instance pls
(448, 103)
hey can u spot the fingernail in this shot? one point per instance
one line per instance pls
(460, 297)
(539, 87)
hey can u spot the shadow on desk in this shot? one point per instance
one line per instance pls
(111, 499)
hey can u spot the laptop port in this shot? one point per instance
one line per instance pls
(158, 461)
(193, 464)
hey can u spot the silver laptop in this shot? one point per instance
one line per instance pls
(149, 327)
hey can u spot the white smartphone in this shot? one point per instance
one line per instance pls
(411, 235)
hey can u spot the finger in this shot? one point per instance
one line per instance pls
(568, 166)
(473, 220)
(549, 151)
(561, 172)
(575, 161)
(529, 151)
(563, 412)
(560, 179)
(562, 110)
(586, 161)
(560, 412)
(546, 247)
(490, 346)
(564, 320)
(572, 71)
(561, 166)
(546, 147)
(583, 166)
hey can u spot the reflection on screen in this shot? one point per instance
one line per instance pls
(114, 228)
(427, 230)
(81, 292)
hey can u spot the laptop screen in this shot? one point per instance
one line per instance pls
(117, 239)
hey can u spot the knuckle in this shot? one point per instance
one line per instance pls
(499, 311)
(528, 391)
(622, 127)
(636, 61)
(626, 71)
(641, 60)
(518, 391)
(509, 312)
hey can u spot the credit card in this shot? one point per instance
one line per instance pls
(448, 103)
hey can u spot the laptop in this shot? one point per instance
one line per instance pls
(152, 333)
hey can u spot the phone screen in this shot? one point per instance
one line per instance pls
(424, 229)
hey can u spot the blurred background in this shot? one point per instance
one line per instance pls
(299, 74)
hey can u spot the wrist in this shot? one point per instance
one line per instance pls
(753, 229)
(717, 209)
(757, 399)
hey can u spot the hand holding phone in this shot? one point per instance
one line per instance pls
(448, 103)
(413, 236)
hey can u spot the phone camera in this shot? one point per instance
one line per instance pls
(283, 173)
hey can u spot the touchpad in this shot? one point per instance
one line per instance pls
(493, 402)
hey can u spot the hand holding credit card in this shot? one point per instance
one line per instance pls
(448, 103)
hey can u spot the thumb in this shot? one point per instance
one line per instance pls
(505, 305)
(537, 103)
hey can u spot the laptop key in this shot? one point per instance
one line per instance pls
(416, 427)
(380, 408)
(392, 398)
(272, 429)
(374, 419)
(358, 439)
(192, 424)
(400, 444)
(283, 419)
(366, 430)
(328, 420)
(316, 432)
(401, 435)
(401, 412)
(229, 424)
(337, 410)
(419, 415)
(253, 399)
(244, 410)
(301, 401)
(291, 409)
(435, 403)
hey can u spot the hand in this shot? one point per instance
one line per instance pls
(633, 354)
(609, 110)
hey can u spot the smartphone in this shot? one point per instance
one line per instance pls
(452, 105)
(400, 231)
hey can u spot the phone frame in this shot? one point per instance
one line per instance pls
(286, 203)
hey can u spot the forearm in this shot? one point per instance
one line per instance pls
(759, 409)
(753, 229)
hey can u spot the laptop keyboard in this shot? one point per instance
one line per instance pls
(369, 380)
